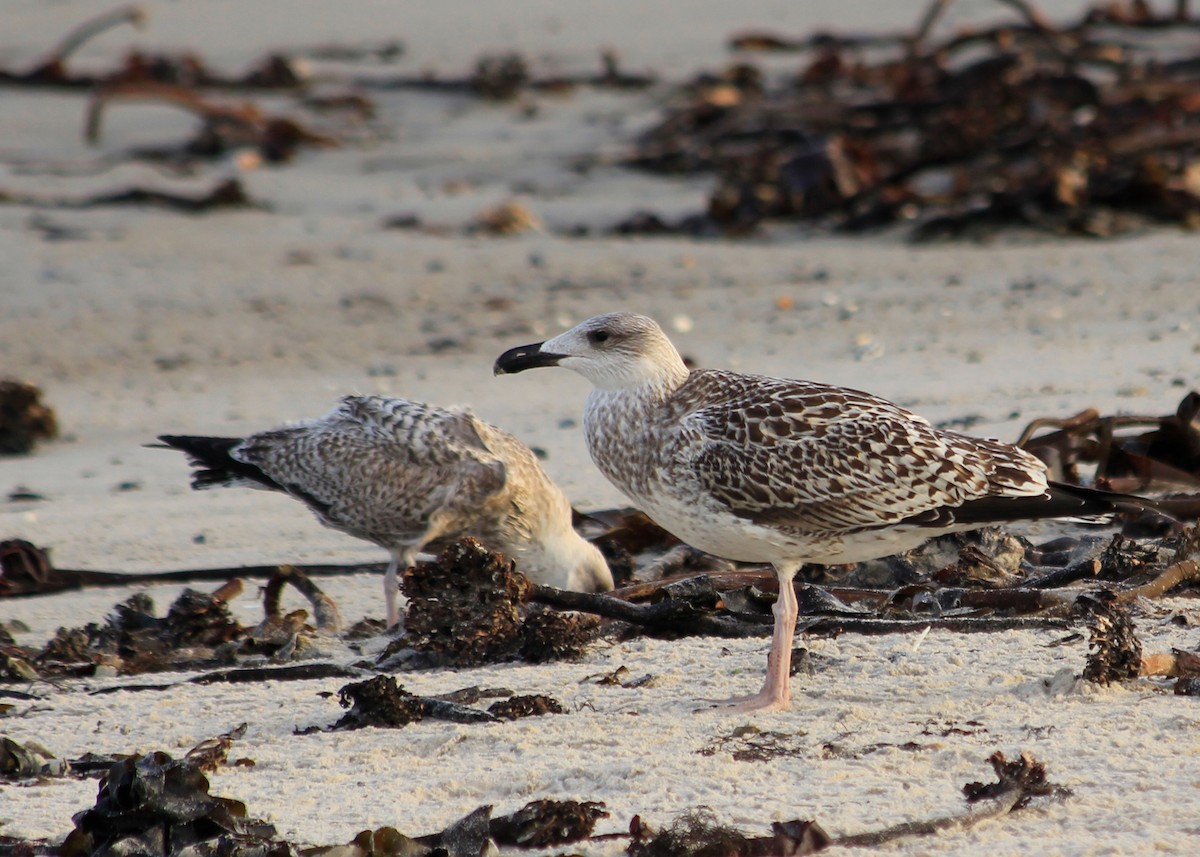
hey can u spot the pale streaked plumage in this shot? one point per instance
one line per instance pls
(411, 477)
(763, 469)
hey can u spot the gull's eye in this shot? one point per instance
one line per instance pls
(598, 337)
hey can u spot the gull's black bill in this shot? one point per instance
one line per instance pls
(524, 357)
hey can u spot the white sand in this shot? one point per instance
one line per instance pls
(271, 316)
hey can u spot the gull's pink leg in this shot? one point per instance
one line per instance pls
(776, 690)
(391, 583)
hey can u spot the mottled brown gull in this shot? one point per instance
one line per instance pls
(761, 469)
(411, 477)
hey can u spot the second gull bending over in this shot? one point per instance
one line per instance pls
(411, 477)
(760, 469)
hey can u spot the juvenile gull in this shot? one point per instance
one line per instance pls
(761, 469)
(411, 477)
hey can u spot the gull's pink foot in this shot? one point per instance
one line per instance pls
(761, 701)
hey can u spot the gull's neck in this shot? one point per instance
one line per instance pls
(648, 379)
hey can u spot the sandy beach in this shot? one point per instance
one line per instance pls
(136, 322)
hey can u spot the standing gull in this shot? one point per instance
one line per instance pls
(760, 469)
(411, 477)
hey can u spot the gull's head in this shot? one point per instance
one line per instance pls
(615, 351)
(590, 572)
(562, 558)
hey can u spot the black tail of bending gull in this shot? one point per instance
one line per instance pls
(761, 469)
(411, 477)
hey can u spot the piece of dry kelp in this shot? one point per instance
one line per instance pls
(325, 611)
(28, 759)
(378, 701)
(466, 605)
(224, 127)
(52, 579)
(247, 675)
(1023, 774)
(551, 635)
(533, 705)
(24, 418)
(546, 823)
(381, 701)
(25, 569)
(697, 833)
(1114, 651)
(154, 804)
(1127, 453)
(538, 824)
(226, 193)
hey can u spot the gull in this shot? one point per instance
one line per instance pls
(411, 478)
(760, 469)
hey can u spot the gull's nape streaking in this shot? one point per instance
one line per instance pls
(411, 477)
(761, 469)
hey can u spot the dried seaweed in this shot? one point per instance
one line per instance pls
(33, 573)
(274, 71)
(1127, 453)
(545, 823)
(380, 701)
(22, 761)
(198, 632)
(155, 804)
(226, 193)
(516, 707)
(324, 609)
(1024, 774)
(465, 606)
(506, 76)
(1085, 127)
(24, 568)
(24, 418)
(696, 833)
(750, 744)
(30, 759)
(52, 70)
(224, 127)
(549, 635)
(1114, 651)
